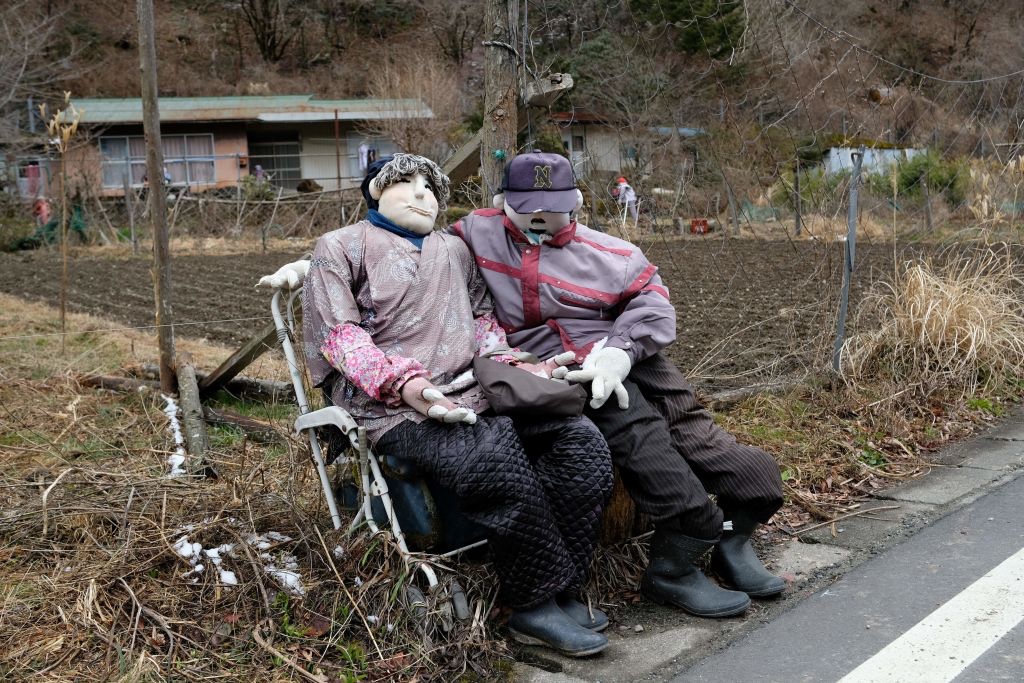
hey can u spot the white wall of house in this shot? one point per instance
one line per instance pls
(839, 159)
(593, 149)
(321, 157)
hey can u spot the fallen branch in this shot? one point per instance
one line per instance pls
(125, 385)
(846, 516)
(258, 637)
(260, 432)
(46, 496)
(154, 615)
(730, 397)
(246, 387)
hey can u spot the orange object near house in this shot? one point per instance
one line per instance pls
(699, 226)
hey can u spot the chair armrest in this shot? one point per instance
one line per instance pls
(331, 415)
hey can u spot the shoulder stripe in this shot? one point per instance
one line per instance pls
(641, 281)
(656, 288)
(601, 247)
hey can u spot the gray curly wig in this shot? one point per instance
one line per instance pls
(387, 170)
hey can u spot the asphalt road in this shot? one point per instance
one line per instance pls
(945, 605)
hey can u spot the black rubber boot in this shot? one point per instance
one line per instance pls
(587, 617)
(735, 561)
(673, 578)
(549, 626)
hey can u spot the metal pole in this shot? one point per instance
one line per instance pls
(157, 197)
(849, 252)
(797, 200)
(337, 168)
(130, 209)
(927, 205)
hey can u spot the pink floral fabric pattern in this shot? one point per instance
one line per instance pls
(351, 350)
(490, 336)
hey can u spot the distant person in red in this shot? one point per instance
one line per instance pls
(41, 211)
(626, 196)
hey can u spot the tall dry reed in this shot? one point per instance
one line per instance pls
(953, 326)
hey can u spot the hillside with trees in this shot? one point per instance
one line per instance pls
(805, 66)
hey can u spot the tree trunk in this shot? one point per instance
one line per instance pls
(501, 94)
(157, 197)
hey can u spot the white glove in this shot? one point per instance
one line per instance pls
(425, 398)
(605, 368)
(289, 276)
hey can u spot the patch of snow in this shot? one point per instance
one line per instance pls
(177, 459)
(281, 566)
(289, 580)
(357, 581)
(338, 552)
(187, 549)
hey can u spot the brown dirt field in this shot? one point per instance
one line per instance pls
(749, 310)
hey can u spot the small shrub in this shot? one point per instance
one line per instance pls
(818, 190)
(948, 177)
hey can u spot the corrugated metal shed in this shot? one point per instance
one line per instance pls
(294, 108)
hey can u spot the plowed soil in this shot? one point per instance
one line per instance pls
(748, 310)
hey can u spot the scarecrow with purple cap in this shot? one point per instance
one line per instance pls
(393, 314)
(559, 286)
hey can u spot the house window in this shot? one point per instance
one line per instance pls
(188, 159)
(280, 161)
(577, 143)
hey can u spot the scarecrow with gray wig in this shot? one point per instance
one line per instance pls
(393, 314)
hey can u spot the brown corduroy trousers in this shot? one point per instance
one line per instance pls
(671, 455)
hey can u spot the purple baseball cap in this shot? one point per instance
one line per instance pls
(538, 181)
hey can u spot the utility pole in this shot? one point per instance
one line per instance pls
(157, 197)
(501, 93)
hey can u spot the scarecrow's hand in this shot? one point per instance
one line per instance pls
(425, 399)
(289, 276)
(605, 369)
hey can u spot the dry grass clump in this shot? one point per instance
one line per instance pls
(953, 327)
(94, 584)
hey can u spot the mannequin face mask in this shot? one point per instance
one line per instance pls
(410, 203)
(539, 194)
(540, 225)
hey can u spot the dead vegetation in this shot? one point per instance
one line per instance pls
(952, 326)
(112, 569)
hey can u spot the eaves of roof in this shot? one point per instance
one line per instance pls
(296, 108)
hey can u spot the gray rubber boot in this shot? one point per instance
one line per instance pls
(591, 617)
(735, 561)
(548, 626)
(673, 578)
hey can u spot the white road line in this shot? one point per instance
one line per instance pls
(940, 646)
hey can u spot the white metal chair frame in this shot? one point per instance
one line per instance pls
(372, 483)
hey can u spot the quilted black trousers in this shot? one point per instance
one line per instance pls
(537, 487)
(671, 455)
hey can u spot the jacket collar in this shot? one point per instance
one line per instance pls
(559, 239)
